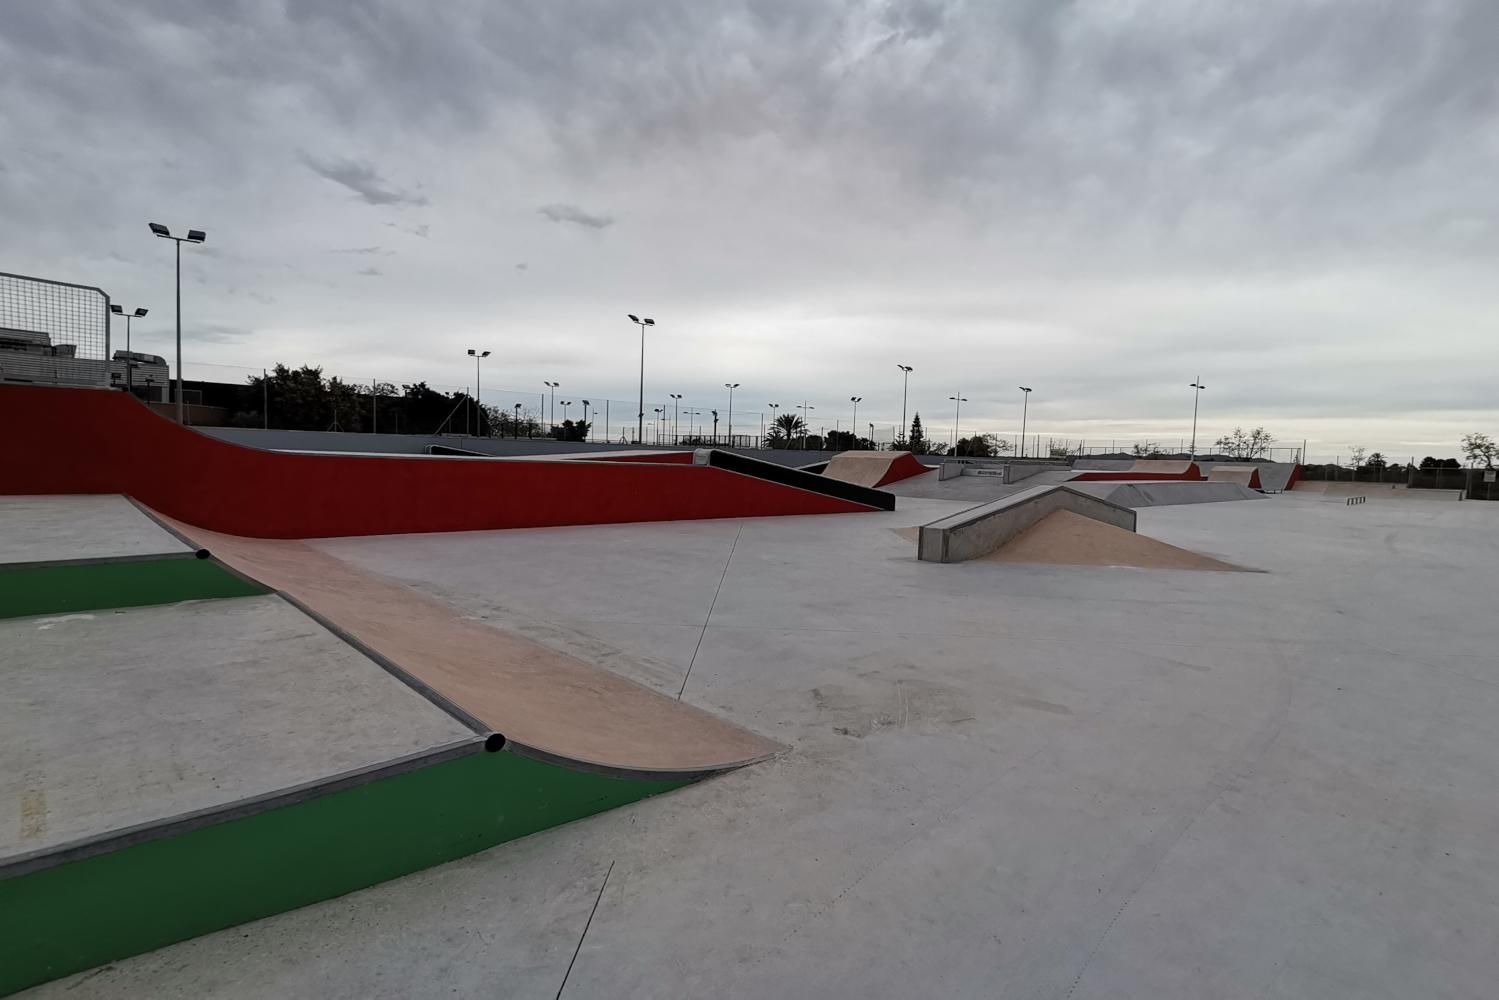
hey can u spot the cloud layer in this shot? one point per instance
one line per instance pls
(1293, 200)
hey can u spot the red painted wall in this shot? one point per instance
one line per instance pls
(60, 440)
(1193, 474)
(904, 467)
(664, 458)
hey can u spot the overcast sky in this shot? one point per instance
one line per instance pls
(1296, 201)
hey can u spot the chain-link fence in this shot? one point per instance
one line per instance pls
(53, 332)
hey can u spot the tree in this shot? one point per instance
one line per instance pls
(980, 446)
(571, 430)
(916, 442)
(787, 428)
(1356, 453)
(1376, 461)
(848, 441)
(1480, 448)
(1145, 449)
(1440, 463)
(1255, 444)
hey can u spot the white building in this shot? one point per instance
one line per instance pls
(30, 356)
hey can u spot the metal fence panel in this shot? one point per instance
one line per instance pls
(53, 332)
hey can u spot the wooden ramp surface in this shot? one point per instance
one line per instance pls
(533, 695)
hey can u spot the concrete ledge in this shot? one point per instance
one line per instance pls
(979, 531)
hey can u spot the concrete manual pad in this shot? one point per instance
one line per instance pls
(56, 528)
(118, 718)
(1004, 781)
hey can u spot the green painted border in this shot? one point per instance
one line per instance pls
(63, 588)
(85, 913)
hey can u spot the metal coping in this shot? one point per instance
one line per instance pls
(195, 553)
(810, 481)
(105, 843)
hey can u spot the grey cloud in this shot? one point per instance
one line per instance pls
(370, 272)
(363, 180)
(421, 230)
(217, 333)
(366, 251)
(558, 212)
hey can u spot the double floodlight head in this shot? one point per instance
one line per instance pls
(906, 368)
(1024, 388)
(643, 322)
(477, 354)
(118, 311)
(193, 235)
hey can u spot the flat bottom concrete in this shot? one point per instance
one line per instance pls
(117, 718)
(52, 528)
(1005, 780)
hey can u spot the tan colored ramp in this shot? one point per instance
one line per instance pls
(1067, 539)
(873, 468)
(536, 696)
(1244, 475)
(862, 468)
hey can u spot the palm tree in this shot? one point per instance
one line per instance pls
(786, 428)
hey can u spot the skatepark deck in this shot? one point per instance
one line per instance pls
(229, 753)
(115, 720)
(57, 528)
(1039, 779)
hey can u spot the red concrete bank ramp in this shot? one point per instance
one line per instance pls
(60, 440)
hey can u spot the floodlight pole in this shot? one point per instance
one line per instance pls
(1197, 388)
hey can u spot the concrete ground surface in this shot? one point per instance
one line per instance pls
(1004, 780)
(116, 718)
(52, 528)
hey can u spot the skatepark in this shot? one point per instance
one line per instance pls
(682, 724)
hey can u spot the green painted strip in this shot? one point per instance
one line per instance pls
(133, 583)
(79, 915)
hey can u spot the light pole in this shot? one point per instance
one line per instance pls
(129, 367)
(1025, 410)
(904, 385)
(854, 424)
(958, 402)
(193, 236)
(715, 427)
(586, 424)
(516, 426)
(478, 392)
(731, 386)
(1196, 388)
(805, 427)
(552, 388)
(565, 404)
(641, 322)
(676, 402)
(775, 415)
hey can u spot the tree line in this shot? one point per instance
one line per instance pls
(302, 399)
